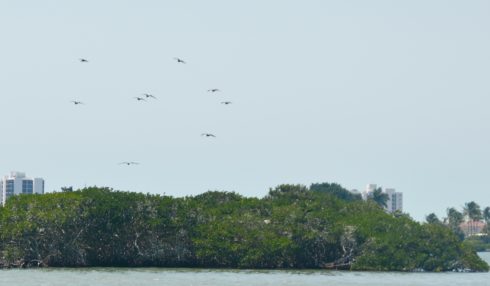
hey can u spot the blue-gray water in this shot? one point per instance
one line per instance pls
(190, 277)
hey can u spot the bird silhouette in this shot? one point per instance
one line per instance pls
(82, 60)
(208, 135)
(149, 95)
(76, 102)
(226, 102)
(179, 60)
(139, 98)
(128, 163)
(213, 90)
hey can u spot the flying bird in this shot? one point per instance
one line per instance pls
(213, 90)
(129, 163)
(179, 60)
(149, 95)
(76, 102)
(208, 135)
(226, 102)
(139, 98)
(82, 60)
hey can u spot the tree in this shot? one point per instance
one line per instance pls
(432, 219)
(293, 227)
(336, 190)
(286, 189)
(472, 211)
(486, 215)
(379, 197)
(454, 219)
(67, 189)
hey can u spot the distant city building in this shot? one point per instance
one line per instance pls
(370, 188)
(472, 227)
(395, 199)
(17, 183)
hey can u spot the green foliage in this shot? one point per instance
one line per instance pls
(486, 215)
(472, 211)
(454, 219)
(379, 197)
(432, 219)
(292, 227)
(336, 190)
(478, 243)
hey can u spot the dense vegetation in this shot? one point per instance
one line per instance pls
(471, 213)
(478, 243)
(292, 227)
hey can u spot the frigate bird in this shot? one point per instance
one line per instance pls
(213, 90)
(76, 102)
(149, 95)
(208, 135)
(128, 163)
(226, 102)
(179, 60)
(139, 98)
(82, 60)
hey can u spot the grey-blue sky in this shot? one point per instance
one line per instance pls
(391, 92)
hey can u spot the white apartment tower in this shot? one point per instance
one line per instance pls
(17, 183)
(395, 199)
(369, 189)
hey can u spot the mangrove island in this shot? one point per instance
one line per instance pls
(293, 226)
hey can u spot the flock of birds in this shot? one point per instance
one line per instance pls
(147, 96)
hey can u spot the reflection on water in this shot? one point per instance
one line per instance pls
(217, 277)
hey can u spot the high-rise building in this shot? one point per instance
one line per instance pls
(395, 199)
(369, 189)
(17, 183)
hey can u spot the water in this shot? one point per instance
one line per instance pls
(205, 277)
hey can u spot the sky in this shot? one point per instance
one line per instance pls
(395, 93)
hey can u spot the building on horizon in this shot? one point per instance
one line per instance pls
(17, 183)
(395, 199)
(370, 188)
(472, 227)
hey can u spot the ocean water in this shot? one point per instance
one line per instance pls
(213, 277)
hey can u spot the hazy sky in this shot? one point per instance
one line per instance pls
(389, 92)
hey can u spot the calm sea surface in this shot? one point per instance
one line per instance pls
(204, 277)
